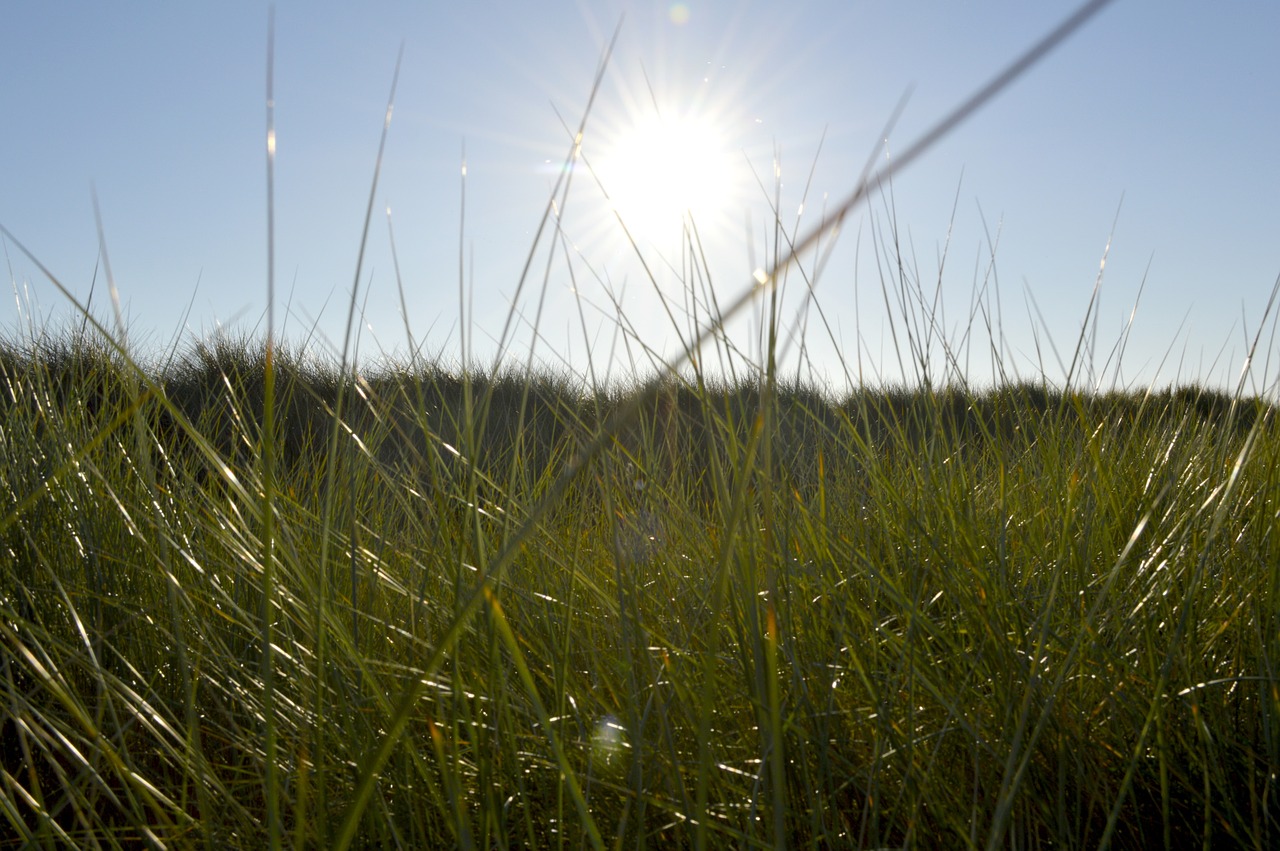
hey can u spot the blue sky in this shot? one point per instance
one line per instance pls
(1155, 127)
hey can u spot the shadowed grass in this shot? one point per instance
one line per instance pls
(939, 606)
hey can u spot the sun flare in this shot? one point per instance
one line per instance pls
(663, 171)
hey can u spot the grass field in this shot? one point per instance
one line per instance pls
(756, 617)
(254, 597)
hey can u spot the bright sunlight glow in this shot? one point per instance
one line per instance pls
(664, 169)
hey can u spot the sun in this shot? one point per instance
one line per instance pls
(662, 172)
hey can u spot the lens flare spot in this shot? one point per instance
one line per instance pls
(608, 743)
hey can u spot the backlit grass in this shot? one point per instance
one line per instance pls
(926, 617)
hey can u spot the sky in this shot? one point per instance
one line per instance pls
(1147, 139)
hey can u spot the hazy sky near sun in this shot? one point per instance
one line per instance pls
(1155, 127)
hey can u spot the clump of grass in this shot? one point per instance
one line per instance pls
(713, 607)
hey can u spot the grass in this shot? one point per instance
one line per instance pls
(427, 606)
(915, 618)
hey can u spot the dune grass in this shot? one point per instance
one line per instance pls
(901, 618)
(252, 596)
